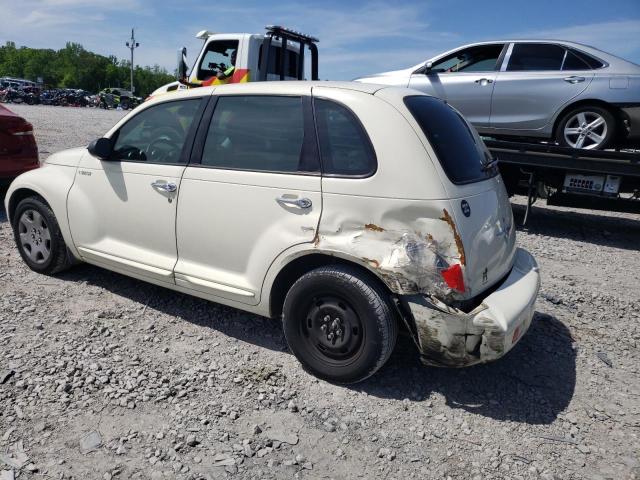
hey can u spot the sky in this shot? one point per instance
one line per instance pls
(356, 38)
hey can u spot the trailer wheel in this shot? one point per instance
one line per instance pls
(587, 127)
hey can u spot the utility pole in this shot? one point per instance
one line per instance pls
(132, 46)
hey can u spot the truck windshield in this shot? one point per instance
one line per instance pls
(461, 152)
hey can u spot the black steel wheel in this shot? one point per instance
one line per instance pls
(339, 323)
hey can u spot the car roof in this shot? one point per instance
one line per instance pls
(612, 60)
(293, 87)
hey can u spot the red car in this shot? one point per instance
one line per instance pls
(18, 149)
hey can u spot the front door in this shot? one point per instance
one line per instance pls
(537, 80)
(465, 79)
(122, 211)
(254, 192)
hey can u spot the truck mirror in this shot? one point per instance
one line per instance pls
(181, 72)
(427, 67)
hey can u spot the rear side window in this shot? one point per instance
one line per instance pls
(573, 62)
(461, 153)
(258, 133)
(593, 63)
(345, 148)
(531, 57)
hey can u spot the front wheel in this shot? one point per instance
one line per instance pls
(38, 237)
(339, 324)
(586, 127)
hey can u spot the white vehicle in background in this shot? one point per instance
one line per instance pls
(345, 209)
(250, 64)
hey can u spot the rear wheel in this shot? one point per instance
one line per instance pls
(586, 127)
(38, 237)
(339, 324)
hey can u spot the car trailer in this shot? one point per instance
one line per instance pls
(599, 180)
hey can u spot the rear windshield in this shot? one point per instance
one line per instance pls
(461, 152)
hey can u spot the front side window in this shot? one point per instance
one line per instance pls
(217, 58)
(483, 58)
(157, 134)
(532, 57)
(461, 152)
(345, 148)
(257, 133)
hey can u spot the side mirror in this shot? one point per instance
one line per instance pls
(181, 72)
(427, 68)
(101, 148)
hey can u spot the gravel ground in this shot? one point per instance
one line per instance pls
(106, 377)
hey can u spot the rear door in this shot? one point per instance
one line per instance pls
(252, 191)
(465, 79)
(536, 80)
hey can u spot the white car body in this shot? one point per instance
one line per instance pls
(225, 236)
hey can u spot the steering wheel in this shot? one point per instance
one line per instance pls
(165, 147)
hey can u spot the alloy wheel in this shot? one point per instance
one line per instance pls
(587, 130)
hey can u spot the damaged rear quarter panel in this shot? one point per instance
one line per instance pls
(401, 241)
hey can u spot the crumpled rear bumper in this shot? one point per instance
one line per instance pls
(450, 337)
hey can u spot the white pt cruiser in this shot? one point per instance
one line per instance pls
(348, 210)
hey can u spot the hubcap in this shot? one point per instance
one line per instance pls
(35, 237)
(586, 130)
(332, 330)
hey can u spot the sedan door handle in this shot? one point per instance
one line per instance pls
(297, 202)
(167, 187)
(573, 79)
(484, 81)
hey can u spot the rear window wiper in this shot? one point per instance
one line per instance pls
(489, 165)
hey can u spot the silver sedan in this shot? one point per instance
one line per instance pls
(573, 94)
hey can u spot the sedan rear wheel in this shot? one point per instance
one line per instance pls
(589, 128)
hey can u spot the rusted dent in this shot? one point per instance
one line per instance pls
(373, 227)
(372, 261)
(447, 218)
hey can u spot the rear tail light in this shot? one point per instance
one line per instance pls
(24, 129)
(453, 277)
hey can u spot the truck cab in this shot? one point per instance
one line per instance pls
(278, 54)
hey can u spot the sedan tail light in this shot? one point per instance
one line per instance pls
(21, 130)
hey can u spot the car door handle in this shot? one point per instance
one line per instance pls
(167, 187)
(297, 202)
(573, 79)
(484, 81)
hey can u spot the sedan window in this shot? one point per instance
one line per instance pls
(482, 58)
(157, 134)
(531, 57)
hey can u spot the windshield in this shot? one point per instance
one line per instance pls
(462, 154)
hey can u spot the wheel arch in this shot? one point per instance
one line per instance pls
(20, 194)
(302, 264)
(615, 111)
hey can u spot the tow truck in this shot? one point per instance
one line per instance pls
(595, 179)
(278, 54)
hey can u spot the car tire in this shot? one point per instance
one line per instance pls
(339, 324)
(38, 237)
(578, 128)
